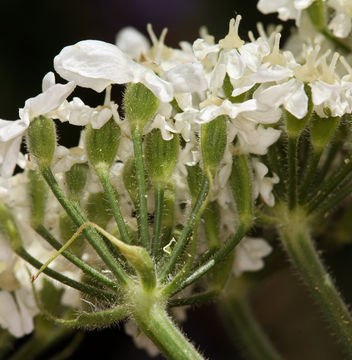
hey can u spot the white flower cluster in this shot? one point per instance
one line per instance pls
(250, 83)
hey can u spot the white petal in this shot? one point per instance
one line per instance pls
(187, 77)
(48, 81)
(8, 156)
(132, 42)
(9, 315)
(11, 129)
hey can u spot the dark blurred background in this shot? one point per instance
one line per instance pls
(32, 32)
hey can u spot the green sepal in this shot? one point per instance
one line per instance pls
(213, 142)
(241, 185)
(322, 130)
(194, 179)
(129, 177)
(9, 228)
(67, 230)
(211, 217)
(76, 179)
(41, 140)
(140, 104)
(102, 144)
(98, 209)
(38, 192)
(295, 126)
(160, 156)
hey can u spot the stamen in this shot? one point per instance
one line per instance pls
(160, 46)
(152, 35)
(251, 36)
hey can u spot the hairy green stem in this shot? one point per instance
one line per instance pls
(79, 218)
(158, 326)
(87, 289)
(43, 231)
(305, 258)
(158, 212)
(103, 174)
(309, 175)
(142, 209)
(292, 172)
(188, 229)
(195, 299)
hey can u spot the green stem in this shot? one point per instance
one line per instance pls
(292, 172)
(305, 258)
(195, 299)
(175, 286)
(87, 289)
(43, 231)
(339, 176)
(79, 218)
(332, 152)
(188, 229)
(103, 174)
(158, 213)
(157, 325)
(237, 314)
(308, 176)
(142, 209)
(333, 200)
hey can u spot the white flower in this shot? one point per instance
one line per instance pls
(263, 185)
(249, 254)
(341, 23)
(17, 312)
(96, 64)
(132, 42)
(11, 132)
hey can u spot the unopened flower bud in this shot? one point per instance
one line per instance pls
(102, 144)
(140, 104)
(41, 140)
(76, 179)
(194, 179)
(98, 209)
(213, 142)
(322, 130)
(160, 156)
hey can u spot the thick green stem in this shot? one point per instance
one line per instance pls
(79, 218)
(103, 174)
(238, 316)
(41, 230)
(158, 212)
(87, 289)
(292, 172)
(157, 325)
(305, 258)
(188, 229)
(142, 209)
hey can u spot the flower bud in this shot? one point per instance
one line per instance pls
(211, 218)
(9, 229)
(98, 209)
(168, 218)
(160, 156)
(38, 196)
(213, 142)
(140, 104)
(41, 140)
(102, 144)
(67, 230)
(76, 179)
(241, 185)
(322, 130)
